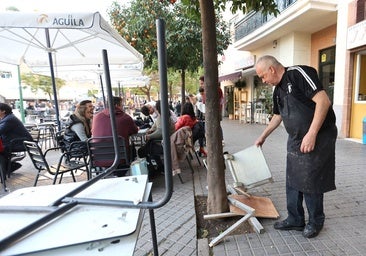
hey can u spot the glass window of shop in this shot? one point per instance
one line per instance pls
(360, 78)
(326, 69)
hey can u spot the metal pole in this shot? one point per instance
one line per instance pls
(102, 88)
(53, 79)
(165, 114)
(21, 106)
(153, 228)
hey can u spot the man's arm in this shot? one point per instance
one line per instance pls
(273, 124)
(321, 109)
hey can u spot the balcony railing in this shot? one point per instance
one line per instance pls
(254, 20)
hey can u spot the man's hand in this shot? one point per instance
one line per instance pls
(275, 122)
(308, 143)
(259, 142)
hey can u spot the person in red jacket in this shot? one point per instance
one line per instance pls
(124, 123)
(188, 118)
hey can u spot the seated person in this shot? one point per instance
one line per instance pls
(11, 128)
(148, 121)
(124, 123)
(149, 109)
(78, 126)
(155, 133)
(188, 118)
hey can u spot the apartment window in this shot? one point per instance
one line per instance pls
(360, 79)
(360, 12)
(326, 69)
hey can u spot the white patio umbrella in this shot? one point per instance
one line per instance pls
(61, 39)
(130, 74)
(89, 72)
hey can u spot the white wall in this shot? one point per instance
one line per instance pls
(341, 52)
(302, 51)
(292, 49)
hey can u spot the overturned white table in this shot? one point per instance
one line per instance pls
(85, 229)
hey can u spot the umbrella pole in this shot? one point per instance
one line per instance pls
(102, 88)
(21, 105)
(53, 79)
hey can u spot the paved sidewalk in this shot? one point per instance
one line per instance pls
(345, 208)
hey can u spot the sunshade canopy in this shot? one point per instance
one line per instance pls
(75, 39)
(61, 39)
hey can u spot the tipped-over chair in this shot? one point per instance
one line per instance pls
(39, 160)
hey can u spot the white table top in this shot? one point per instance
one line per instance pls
(251, 168)
(85, 229)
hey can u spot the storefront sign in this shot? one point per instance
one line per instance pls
(356, 35)
(245, 62)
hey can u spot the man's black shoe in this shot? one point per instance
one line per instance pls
(285, 225)
(15, 166)
(311, 230)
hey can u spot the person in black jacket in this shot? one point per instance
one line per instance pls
(78, 126)
(301, 102)
(11, 130)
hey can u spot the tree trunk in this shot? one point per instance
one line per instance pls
(217, 198)
(183, 87)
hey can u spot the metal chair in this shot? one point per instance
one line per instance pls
(3, 178)
(47, 135)
(154, 154)
(39, 160)
(15, 155)
(35, 133)
(102, 155)
(77, 149)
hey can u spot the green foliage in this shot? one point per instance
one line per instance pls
(40, 82)
(266, 6)
(12, 8)
(184, 43)
(135, 21)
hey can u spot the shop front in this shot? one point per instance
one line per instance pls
(356, 44)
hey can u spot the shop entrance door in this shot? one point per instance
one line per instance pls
(326, 69)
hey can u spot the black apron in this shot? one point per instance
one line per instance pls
(312, 172)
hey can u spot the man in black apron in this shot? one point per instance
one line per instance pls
(305, 109)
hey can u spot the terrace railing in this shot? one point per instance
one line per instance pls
(254, 20)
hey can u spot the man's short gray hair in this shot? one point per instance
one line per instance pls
(268, 60)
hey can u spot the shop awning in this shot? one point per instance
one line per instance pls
(232, 76)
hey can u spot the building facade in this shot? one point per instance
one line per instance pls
(328, 35)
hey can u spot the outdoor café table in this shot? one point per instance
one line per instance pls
(30, 126)
(86, 229)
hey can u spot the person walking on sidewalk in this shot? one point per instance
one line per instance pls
(301, 102)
